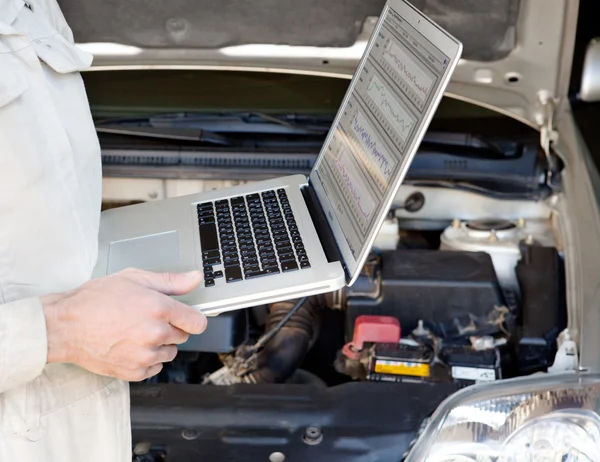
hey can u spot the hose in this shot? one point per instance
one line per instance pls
(285, 350)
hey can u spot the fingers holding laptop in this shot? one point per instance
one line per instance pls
(124, 325)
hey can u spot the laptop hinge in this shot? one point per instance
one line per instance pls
(322, 226)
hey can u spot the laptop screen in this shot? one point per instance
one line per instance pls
(383, 114)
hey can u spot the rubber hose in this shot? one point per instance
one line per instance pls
(284, 353)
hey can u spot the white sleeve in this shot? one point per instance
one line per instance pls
(23, 342)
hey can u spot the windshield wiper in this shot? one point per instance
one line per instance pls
(166, 133)
(243, 123)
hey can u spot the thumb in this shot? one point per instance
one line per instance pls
(168, 283)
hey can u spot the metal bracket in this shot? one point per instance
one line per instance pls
(548, 134)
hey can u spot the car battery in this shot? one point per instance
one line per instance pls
(469, 366)
(401, 362)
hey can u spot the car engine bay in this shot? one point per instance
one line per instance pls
(479, 300)
(440, 304)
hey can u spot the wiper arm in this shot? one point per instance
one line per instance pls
(166, 133)
(288, 124)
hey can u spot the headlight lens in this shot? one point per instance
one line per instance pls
(549, 418)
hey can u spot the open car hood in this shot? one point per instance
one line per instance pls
(513, 49)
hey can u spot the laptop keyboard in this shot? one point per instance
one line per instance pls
(251, 236)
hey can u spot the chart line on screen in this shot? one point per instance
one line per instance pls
(354, 188)
(410, 72)
(378, 158)
(399, 119)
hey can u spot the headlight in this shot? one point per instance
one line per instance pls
(549, 418)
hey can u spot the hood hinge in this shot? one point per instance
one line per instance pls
(548, 134)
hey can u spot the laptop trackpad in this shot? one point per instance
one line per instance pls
(151, 252)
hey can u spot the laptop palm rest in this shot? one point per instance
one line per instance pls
(146, 252)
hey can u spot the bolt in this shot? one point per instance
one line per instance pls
(313, 435)
(277, 457)
(142, 448)
(190, 434)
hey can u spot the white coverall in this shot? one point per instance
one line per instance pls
(50, 194)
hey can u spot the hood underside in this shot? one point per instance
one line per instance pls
(486, 28)
(514, 50)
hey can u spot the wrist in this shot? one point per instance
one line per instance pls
(56, 314)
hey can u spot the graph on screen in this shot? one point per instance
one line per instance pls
(411, 77)
(354, 189)
(386, 106)
(378, 128)
(378, 161)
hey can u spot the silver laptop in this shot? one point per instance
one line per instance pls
(294, 236)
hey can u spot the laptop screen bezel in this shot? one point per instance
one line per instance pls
(450, 47)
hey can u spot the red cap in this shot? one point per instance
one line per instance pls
(375, 329)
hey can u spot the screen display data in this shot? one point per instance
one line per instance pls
(366, 151)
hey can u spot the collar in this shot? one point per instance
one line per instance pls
(9, 9)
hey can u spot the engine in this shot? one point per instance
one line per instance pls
(474, 301)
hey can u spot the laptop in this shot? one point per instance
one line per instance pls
(297, 236)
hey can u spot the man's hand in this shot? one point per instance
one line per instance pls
(124, 325)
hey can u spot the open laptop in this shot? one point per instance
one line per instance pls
(294, 236)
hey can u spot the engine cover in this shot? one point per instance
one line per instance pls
(455, 293)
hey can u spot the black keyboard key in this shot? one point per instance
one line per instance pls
(263, 239)
(205, 205)
(251, 268)
(208, 237)
(268, 260)
(228, 244)
(210, 254)
(281, 191)
(271, 268)
(289, 266)
(211, 261)
(286, 257)
(300, 252)
(237, 200)
(218, 274)
(208, 269)
(233, 273)
(285, 249)
(264, 272)
(206, 220)
(206, 213)
(230, 255)
(249, 261)
(294, 233)
(304, 264)
(208, 275)
(209, 282)
(297, 240)
(302, 258)
(231, 261)
(222, 202)
(299, 246)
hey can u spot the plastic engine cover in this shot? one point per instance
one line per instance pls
(448, 290)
